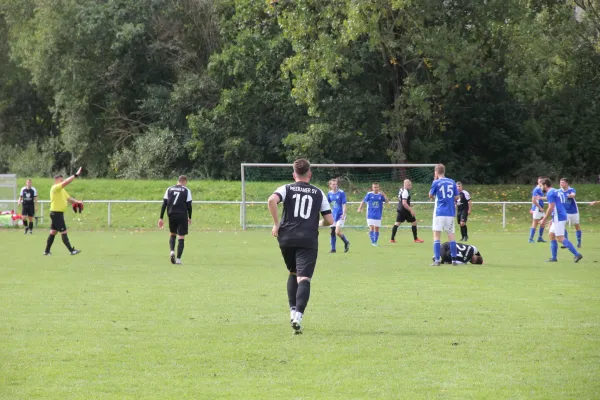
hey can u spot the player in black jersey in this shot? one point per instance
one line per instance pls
(28, 197)
(465, 253)
(405, 212)
(298, 234)
(463, 210)
(178, 204)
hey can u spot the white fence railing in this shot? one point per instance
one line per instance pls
(43, 205)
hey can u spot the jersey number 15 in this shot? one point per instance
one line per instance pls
(447, 192)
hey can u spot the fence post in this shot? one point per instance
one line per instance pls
(504, 215)
(42, 212)
(109, 213)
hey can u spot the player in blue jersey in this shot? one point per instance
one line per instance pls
(556, 207)
(572, 210)
(374, 200)
(537, 211)
(445, 193)
(337, 201)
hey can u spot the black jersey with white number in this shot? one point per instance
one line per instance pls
(177, 198)
(28, 195)
(464, 253)
(463, 201)
(403, 194)
(303, 204)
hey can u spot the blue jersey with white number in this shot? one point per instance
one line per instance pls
(537, 191)
(444, 190)
(570, 204)
(337, 201)
(558, 198)
(374, 205)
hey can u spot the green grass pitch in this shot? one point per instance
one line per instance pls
(120, 322)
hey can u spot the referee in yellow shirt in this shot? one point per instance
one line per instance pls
(59, 199)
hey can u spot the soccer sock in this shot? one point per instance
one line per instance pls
(333, 239)
(372, 236)
(578, 234)
(302, 295)
(65, 240)
(30, 226)
(292, 289)
(414, 231)
(343, 237)
(541, 231)
(180, 245)
(554, 248)
(531, 233)
(453, 250)
(466, 231)
(570, 246)
(49, 242)
(172, 243)
(376, 236)
(394, 231)
(437, 249)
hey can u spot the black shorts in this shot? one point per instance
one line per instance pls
(28, 211)
(300, 260)
(58, 221)
(178, 223)
(402, 216)
(462, 216)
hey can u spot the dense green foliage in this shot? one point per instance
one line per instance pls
(499, 90)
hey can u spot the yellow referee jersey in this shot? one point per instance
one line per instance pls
(59, 198)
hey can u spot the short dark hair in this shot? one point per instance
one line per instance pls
(564, 179)
(375, 183)
(440, 169)
(459, 183)
(547, 182)
(301, 166)
(182, 178)
(478, 260)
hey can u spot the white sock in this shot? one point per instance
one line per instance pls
(298, 316)
(292, 313)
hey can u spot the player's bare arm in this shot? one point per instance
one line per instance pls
(535, 202)
(19, 201)
(71, 178)
(470, 207)
(327, 220)
(361, 206)
(272, 204)
(548, 213)
(343, 212)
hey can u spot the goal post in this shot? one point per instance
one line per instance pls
(259, 181)
(8, 192)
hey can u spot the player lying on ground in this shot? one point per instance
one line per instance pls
(405, 212)
(337, 201)
(464, 254)
(178, 203)
(28, 198)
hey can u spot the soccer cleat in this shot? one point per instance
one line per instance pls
(31, 232)
(26, 229)
(435, 264)
(541, 240)
(332, 251)
(531, 241)
(47, 253)
(347, 247)
(75, 252)
(374, 244)
(454, 263)
(392, 241)
(419, 241)
(578, 245)
(297, 327)
(563, 247)
(462, 239)
(466, 239)
(178, 261)
(578, 258)
(172, 257)
(552, 260)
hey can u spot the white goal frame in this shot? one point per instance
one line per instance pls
(4, 183)
(243, 167)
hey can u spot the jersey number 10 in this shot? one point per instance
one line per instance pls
(302, 205)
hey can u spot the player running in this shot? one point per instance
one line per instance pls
(556, 207)
(375, 200)
(445, 193)
(337, 201)
(465, 253)
(571, 209)
(178, 203)
(405, 212)
(298, 235)
(28, 197)
(537, 211)
(464, 206)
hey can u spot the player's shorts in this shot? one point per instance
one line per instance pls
(462, 216)
(558, 228)
(300, 260)
(58, 221)
(339, 221)
(573, 218)
(28, 211)
(374, 222)
(178, 224)
(443, 224)
(537, 214)
(404, 216)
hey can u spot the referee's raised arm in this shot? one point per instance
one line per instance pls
(72, 177)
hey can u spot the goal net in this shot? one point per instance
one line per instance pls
(259, 181)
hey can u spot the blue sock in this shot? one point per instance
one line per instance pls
(453, 250)
(344, 239)
(531, 233)
(372, 236)
(578, 233)
(566, 234)
(554, 248)
(570, 246)
(333, 242)
(376, 236)
(437, 249)
(541, 231)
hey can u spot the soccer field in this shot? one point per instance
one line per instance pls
(120, 322)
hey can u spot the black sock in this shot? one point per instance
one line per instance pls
(343, 237)
(49, 242)
(292, 289)
(466, 234)
(462, 232)
(394, 231)
(414, 229)
(302, 295)
(172, 243)
(65, 240)
(180, 248)
(31, 226)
